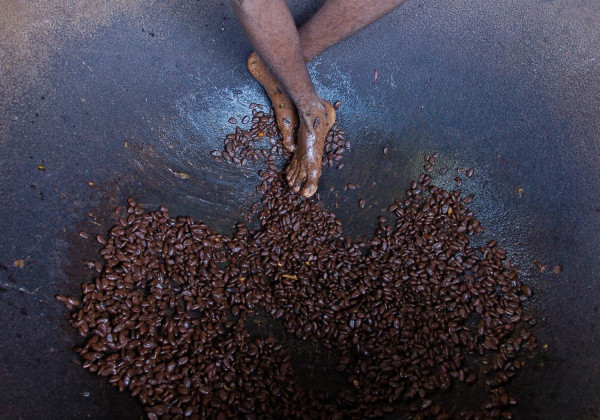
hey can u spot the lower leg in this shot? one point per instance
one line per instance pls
(337, 20)
(334, 21)
(270, 28)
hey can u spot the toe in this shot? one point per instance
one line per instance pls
(291, 171)
(294, 180)
(299, 181)
(253, 61)
(310, 188)
(330, 113)
(312, 180)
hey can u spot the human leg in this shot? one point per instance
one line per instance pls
(337, 20)
(271, 30)
(334, 21)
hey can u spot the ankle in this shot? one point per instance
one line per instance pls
(309, 112)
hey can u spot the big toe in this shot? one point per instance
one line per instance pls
(311, 184)
(330, 114)
(253, 62)
(310, 188)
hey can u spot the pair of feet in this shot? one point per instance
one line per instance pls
(303, 131)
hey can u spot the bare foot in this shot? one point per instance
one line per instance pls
(305, 169)
(285, 111)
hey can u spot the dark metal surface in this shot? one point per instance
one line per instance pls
(130, 95)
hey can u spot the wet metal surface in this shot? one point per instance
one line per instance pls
(99, 103)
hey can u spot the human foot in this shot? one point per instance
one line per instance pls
(304, 170)
(285, 111)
